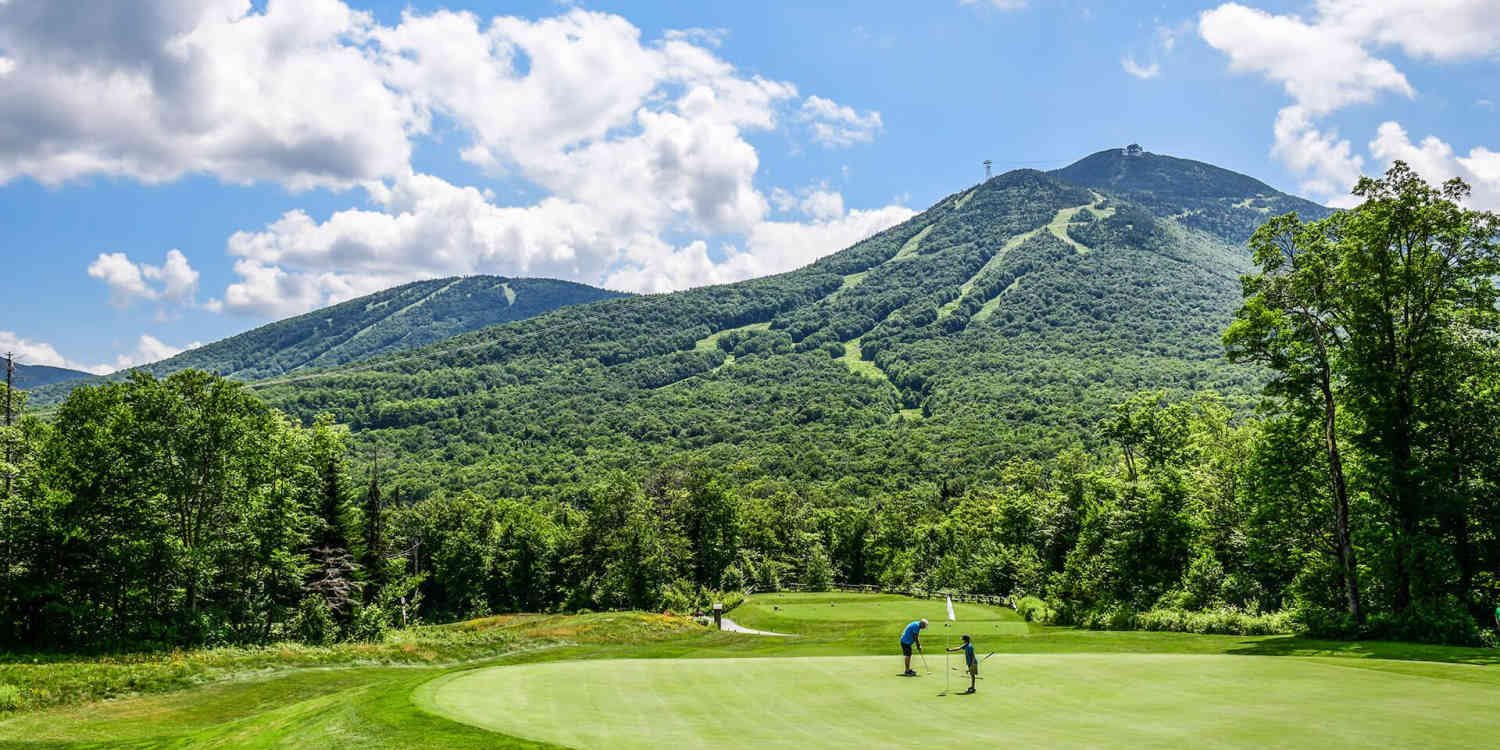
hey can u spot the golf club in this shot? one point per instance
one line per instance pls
(924, 661)
(965, 671)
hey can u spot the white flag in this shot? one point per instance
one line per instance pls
(950, 609)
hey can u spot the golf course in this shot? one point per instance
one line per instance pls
(635, 680)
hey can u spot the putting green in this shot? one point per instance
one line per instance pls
(1040, 700)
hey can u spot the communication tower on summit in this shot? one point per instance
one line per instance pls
(987, 164)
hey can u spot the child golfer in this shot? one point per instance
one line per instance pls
(968, 648)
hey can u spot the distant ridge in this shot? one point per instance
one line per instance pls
(394, 320)
(35, 376)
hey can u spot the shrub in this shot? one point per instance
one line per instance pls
(819, 575)
(313, 623)
(1032, 609)
(10, 697)
(1222, 621)
(370, 624)
(1323, 622)
(768, 576)
(1449, 624)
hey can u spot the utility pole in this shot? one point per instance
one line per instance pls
(10, 369)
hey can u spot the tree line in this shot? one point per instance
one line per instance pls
(1360, 499)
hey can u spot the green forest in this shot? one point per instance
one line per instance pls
(387, 322)
(1139, 392)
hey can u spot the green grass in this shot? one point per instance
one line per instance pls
(910, 248)
(854, 359)
(711, 341)
(631, 680)
(1108, 700)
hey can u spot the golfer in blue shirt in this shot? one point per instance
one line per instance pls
(911, 636)
(971, 663)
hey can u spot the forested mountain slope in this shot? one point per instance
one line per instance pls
(397, 319)
(35, 376)
(1002, 321)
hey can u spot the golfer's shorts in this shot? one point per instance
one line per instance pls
(973, 667)
(906, 649)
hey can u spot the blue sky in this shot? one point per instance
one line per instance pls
(176, 171)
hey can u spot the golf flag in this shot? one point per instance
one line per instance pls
(950, 609)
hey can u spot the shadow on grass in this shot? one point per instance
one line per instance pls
(1295, 646)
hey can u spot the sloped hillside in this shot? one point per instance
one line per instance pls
(394, 320)
(1002, 321)
(35, 376)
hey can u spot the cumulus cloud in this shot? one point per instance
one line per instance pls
(632, 141)
(1138, 70)
(1331, 61)
(155, 89)
(429, 227)
(174, 283)
(834, 124)
(771, 247)
(1435, 160)
(1329, 162)
(629, 140)
(149, 349)
(30, 352)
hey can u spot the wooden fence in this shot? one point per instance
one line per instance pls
(990, 599)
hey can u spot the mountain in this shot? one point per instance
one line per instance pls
(1201, 196)
(1001, 322)
(395, 320)
(34, 376)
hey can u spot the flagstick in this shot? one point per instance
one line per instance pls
(947, 642)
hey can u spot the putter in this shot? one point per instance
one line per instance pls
(924, 661)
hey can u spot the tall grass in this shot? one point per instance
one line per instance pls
(33, 681)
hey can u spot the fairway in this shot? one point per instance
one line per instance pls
(1096, 700)
(874, 615)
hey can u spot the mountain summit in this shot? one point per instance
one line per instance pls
(1018, 309)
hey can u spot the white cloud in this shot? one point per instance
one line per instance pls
(157, 89)
(1322, 67)
(1484, 104)
(173, 283)
(1436, 161)
(1329, 163)
(126, 283)
(1134, 68)
(631, 141)
(772, 247)
(700, 36)
(1330, 62)
(836, 125)
(28, 352)
(147, 349)
(428, 227)
(1443, 30)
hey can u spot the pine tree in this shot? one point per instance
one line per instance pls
(375, 543)
(333, 569)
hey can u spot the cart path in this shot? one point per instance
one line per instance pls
(733, 627)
